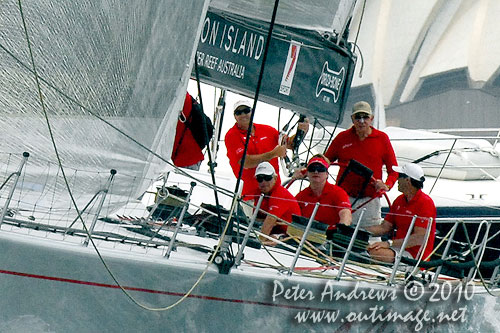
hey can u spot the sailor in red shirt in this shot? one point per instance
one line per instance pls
(412, 202)
(186, 152)
(370, 147)
(263, 146)
(277, 200)
(334, 202)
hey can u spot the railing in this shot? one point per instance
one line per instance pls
(479, 243)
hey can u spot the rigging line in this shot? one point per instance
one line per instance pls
(496, 140)
(71, 99)
(58, 157)
(6, 180)
(257, 92)
(444, 164)
(310, 144)
(317, 141)
(360, 21)
(56, 178)
(332, 134)
(252, 115)
(279, 119)
(202, 275)
(311, 140)
(40, 96)
(44, 186)
(21, 187)
(207, 139)
(324, 128)
(7, 164)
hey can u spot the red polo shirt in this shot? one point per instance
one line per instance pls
(402, 213)
(186, 151)
(332, 200)
(373, 152)
(264, 140)
(281, 203)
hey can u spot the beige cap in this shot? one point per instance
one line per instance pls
(362, 107)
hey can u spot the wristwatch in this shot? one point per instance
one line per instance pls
(389, 241)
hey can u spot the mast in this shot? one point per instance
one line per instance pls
(224, 259)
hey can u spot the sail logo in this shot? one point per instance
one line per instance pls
(330, 82)
(289, 70)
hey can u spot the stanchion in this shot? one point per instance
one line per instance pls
(13, 188)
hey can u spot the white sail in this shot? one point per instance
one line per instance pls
(323, 15)
(111, 75)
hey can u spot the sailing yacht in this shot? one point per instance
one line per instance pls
(90, 94)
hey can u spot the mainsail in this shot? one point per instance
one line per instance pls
(109, 78)
(112, 76)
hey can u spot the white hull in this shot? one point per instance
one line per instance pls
(55, 285)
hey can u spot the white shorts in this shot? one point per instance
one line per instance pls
(372, 214)
(405, 253)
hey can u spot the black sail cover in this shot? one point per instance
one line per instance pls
(304, 71)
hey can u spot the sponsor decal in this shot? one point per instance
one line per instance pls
(289, 70)
(330, 82)
(228, 40)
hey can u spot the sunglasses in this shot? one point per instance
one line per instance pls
(359, 117)
(242, 110)
(261, 178)
(316, 167)
(402, 175)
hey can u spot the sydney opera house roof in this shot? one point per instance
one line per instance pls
(429, 63)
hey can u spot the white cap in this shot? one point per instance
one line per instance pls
(242, 102)
(412, 170)
(264, 168)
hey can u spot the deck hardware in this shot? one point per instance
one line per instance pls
(247, 234)
(303, 240)
(351, 244)
(14, 185)
(179, 222)
(104, 192)
(397, 260)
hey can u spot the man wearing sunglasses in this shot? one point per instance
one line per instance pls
(277, 201)
(372, 148)
(334, 202)
(263, 146)
(411, 202)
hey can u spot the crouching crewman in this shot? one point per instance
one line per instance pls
(277, 201)
(411, 202)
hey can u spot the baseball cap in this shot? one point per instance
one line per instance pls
(243, 102)
(412, 170)
(362, 107)
(318, 160)
(265, 168)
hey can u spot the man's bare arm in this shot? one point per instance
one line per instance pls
(251, 161)
(379, 230)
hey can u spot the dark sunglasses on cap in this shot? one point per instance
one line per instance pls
(242, 110)
(316, 167)
(261, 178)
(359, 116)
